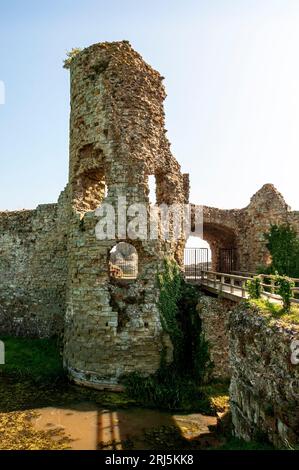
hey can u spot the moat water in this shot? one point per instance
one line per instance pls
(90, 427)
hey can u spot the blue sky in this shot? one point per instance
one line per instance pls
(232, 79)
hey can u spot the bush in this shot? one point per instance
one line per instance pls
(283, 244)
(254, 287)
(262, 269)
(285, 286)
(164, 389)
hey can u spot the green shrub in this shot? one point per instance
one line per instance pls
(285, 286)
(283, 245)
(165, 389)
(262, 269)
(254, 287)
(273, 310)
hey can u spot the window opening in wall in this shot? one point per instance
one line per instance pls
(123, 261)
(152, 189)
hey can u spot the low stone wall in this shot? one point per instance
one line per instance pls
(33, 270)
(264, 389)
(214, 314)
(30, 313)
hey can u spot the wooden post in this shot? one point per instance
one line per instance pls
(272, 286)
(262, 282)
(243, 289)
(222, 283)
(232, 285)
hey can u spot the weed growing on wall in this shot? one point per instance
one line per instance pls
(170, 283)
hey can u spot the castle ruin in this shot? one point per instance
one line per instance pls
(56, 275)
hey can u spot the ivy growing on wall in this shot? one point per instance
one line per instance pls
(170, 283)
(176, 384)
(283, 245)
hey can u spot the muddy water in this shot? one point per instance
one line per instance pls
(90, 427)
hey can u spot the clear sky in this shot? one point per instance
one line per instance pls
(232, 78)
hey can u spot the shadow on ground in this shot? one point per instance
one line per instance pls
(60, 415)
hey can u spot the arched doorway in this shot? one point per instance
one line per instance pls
(197, 257)
(222, 241)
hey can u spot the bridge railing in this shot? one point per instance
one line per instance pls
(235, 285)
(230, 283)
(270, 289)
(249, 274)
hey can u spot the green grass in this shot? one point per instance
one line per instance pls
(275, 311)
(38, 359)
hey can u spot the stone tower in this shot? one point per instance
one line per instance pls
(117, 140)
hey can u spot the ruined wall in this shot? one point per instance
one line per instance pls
(52, 265)
(117, 140)
(243, 229)
(264, 389)
(214, 314)
(33, 270)
(266, 207)
(254, 350)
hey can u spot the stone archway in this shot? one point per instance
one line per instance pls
(223, 245)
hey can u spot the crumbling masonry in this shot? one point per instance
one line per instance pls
(117, 140)
(54, 272)
(242, 230)
(54, 269)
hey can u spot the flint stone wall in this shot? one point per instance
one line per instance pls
(117, 140)
(33, 270)
(214, 314)
(264, 389)
(243, 229)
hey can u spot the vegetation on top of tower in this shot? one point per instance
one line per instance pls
(70, 56)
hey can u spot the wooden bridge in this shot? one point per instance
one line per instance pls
(233, 285)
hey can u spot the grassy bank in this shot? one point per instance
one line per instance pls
(37, 359)
(33, 376)
(35, 366)
(275, 311)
